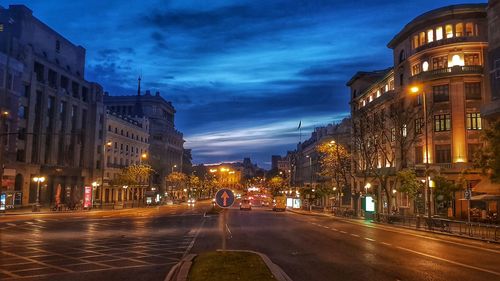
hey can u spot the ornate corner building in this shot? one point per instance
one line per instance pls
(441, 67)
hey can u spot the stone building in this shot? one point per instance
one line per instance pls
(441, 54)
(55, 118)
(127, 143)
(165, 142)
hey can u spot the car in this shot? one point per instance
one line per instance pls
(245, 204)
(191, 201)
(265, 203)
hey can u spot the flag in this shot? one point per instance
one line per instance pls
(300, 125)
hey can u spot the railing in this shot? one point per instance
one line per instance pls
(489, 232)
(450, 71)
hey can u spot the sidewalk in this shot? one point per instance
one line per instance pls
(469, 234)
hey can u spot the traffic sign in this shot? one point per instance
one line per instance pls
(468, 194)
(224, 198)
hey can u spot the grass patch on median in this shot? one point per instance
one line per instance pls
(229, 266)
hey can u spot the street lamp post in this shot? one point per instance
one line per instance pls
(94, 188)
(310, 170)
(173, 167)
(38, 180)
(416, 90)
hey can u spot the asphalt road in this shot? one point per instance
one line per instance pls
(130, 244)
(325, 248)
(143, 244)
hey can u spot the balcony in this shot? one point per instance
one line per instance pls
(447, 41)
(447, 72)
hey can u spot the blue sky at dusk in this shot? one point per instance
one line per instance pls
(241, 74)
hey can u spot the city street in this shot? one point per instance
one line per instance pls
(324, 248)
(143, 244)
(130, 244)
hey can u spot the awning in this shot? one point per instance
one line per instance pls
(488, 187)
(486, 197)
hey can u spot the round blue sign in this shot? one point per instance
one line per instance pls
(224, 198)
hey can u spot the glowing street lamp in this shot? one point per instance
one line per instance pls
(38, 180)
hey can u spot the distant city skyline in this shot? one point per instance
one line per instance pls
(241, 74)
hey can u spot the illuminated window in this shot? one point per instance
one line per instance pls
(404, 130)
(419, 124)
(422, 38)
(425, 66)
(442, 122)
(471, 59)
(378, 93)
(459, 29)
(370, 98)
(449, 31)
(456, 60)
(469, 29)
(473, 121)
(440, 62)
(443, 153)
(416, 69)
(393, 134)
(439, 33)
(386, 87)
(391, 83)
(415, 41)
(430, 35)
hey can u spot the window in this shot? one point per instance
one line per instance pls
(471, 59)
(21, 133)
(419, 124)
(22, 112)
(402, 56)
(473, 91)
(393, 134)
(441, 93)
(121, 146)
(419, 99)
(401, 79)
(109, 128)
(58, 46)
(422, 38)
(404, 131)
(473, 121)
(449, 31)
(116, 147)
(443, 153)
(430, 36)
(419, 155)
(469, 29)
(85, 95)
(416, 69)
(425, 66)
(442, 122)
(472, 150)
(440, 62)
(459, 30)
(116, 130)
(27, 91)
(415, 42)
(439, 33)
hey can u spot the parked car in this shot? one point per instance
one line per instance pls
(191, 201)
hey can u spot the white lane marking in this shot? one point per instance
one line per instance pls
(325, 227)
(11, 224)
(28, 222)
(369, 239)
(450, 261)
(194, 239)
(355, 235)
(343, 232)
(387, 244)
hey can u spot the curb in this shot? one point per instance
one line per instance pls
(353, 220)
(180, 271)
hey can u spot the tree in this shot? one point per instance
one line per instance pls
(412, 186)
(177, 181)
(194, 183)
(133, 175)
(488, 158)
(335, 163)
(277, 184)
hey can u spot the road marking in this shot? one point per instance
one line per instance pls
(369, 239)
(194, 239)
(450, 261)
(325, 227)
(11, 224)
(355, 235)
(343, 232)
(28, 222)
(387, 244)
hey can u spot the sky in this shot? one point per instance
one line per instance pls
(241, 74)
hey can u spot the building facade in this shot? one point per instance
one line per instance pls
(165, 142)
(53, 117)
(439, 68)
(127, 144)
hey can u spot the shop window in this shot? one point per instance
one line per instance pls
(473, 121)
(459, 30)
(439, 33)
(449, 31)
(469, 29)
(442, 122)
